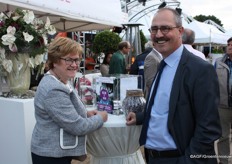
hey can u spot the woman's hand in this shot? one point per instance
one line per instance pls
(103, 114)
(91, 113)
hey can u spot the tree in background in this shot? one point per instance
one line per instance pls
(202, 18)
(143, 40)
(106, 41)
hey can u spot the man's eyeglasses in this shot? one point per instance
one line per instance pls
(163, 29)
(69, 61)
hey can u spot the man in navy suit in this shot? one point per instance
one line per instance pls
(181, 120)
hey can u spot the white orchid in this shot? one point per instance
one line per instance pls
(37, 23)
(15, 18)
(47, 24)
(45, 38)
(39, 59)
(29, 16)
(2, 53)
(9, 39)
(7, 65)
(51, 29)
(31, 62)
(11, 30)
(13, 47)
(2, 16)
(28, 37)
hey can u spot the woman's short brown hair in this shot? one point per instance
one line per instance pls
(60, 47)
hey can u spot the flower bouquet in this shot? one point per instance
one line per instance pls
(22, 33)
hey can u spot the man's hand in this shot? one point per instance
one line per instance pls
(131, 119)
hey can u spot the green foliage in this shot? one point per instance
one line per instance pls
(202, 18)
(106, 41)
(217, 50)
(143, 40)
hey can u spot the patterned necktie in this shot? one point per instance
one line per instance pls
(143, 136)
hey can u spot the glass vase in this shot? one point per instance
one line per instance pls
(19, 78)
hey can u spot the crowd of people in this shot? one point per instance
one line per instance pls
(188, 100)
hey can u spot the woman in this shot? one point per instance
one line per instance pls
(62, 121)
(104, 68)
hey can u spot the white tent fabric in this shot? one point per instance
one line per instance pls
(229, 33)
(73, 15)
(206, 33)
(143, 14)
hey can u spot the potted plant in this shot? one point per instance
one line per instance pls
(23, 44)
(106, 41)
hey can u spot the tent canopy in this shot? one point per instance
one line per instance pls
(73, 15)
(229, 33)
(206, 33)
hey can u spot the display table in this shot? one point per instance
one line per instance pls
(115, 143)
(16, 124)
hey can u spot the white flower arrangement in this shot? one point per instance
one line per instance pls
(21, 32)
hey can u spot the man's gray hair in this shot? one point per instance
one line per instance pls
(188, 36)
(177, 17)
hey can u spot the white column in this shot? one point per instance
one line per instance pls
(16, 124)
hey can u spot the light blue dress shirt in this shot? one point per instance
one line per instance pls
(158, 137)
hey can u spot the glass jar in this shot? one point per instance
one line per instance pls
(134, 101)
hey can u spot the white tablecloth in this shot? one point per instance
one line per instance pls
(115, 143)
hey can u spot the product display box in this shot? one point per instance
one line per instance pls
(113, 88)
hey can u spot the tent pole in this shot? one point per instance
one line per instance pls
(210, 42)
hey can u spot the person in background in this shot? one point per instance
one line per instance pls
(151, 64)
(181, 120)
(104, 68)
(62, 120)
(89, 62)
(223, 67)
(188, 38)
(117, 62)
(137, 68)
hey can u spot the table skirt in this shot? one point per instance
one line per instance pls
(115, 145)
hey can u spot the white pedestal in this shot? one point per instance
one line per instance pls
(16, 125)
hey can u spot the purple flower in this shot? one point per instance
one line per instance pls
(1, 23)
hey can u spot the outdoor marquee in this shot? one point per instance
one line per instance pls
(73, 15)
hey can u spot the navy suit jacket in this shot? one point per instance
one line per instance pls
(193, 119)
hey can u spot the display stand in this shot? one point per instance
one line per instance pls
(16, 124)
